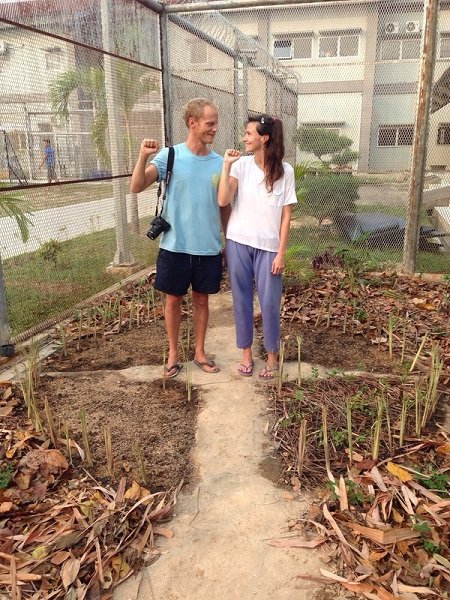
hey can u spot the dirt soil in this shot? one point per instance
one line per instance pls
(216, 441)
(152, 428)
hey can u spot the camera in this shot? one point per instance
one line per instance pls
(157, 226)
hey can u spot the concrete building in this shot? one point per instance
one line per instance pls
(358, 64)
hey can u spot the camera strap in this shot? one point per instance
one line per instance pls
(170, 159)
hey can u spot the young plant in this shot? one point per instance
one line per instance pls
(63, 338)
(416, 357)
(84, 433)
(348, 414)
(403, 419)
(280, 368)
(108, 451)
(299, 362)
(431, 394)
(377, 429)
(50, 423)
(140, 462)
(301, 448)
(67, 436)
(80, 330)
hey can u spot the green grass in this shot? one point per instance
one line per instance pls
(313, 241)
(39, 289)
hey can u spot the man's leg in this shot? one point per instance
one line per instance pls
(172, 314)
(201, 314)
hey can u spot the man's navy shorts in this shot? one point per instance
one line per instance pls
(176, 271)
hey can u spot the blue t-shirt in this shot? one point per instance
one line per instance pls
(49, 156)
(191, 203)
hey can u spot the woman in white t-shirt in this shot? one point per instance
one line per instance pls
(263, 188)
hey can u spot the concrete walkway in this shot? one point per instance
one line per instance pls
(223, 521)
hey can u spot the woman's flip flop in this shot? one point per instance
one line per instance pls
(246, 370)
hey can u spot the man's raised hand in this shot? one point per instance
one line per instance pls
(148, 147)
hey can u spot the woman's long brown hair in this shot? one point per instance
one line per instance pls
(273, 148)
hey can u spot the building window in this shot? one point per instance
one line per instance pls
(395, 135)
(444, 48)
(44, 127)
(296, 47)
(400, 49)
(53, 59)
(338, 45)
(282, 49)
(443, 134)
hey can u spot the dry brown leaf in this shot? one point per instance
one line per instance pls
(22, 480)
(375, 556)
(398, 472)
(333, 576)
(416, 589)
(6, 410)
(398, 518)
(120, 566)
(133, 492)
(59, 557)
(69, 572)
(52, 459)
(343, 500)
(378, 479)
(357, 587)
(5, 507)
(164, 531)
(392, 536)
(384, 594)
(444, 448)
(296, 542)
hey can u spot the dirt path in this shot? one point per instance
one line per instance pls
(222, 524)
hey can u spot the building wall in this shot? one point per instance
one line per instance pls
(363, 92)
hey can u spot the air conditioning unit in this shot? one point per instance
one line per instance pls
(391, 27)
(412, 26)
(3, 47)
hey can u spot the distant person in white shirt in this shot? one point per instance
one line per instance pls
(263, 188)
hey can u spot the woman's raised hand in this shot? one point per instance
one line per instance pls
(231, 155)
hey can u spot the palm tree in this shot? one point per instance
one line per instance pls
(11, 205)
(133, 82)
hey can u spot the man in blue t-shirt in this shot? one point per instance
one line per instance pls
(190, 251)
(50, 161)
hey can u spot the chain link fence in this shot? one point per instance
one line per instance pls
(82, 85)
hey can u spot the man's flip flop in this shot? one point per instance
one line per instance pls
(176, 368)
(207, 363)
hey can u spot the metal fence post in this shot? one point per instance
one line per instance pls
(6, 348)
(123, 256)
(419, 151)
(166, 79)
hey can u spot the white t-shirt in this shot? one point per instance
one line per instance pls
(256, 215)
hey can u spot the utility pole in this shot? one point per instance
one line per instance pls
(419, 153)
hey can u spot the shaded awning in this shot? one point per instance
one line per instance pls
(441, 92)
